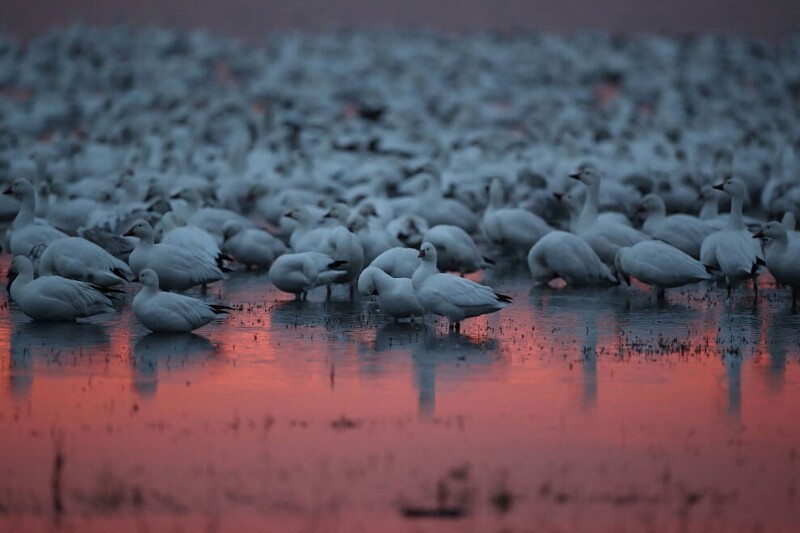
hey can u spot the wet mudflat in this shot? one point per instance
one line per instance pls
(571, 409)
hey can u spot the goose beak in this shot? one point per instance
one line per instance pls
(625, 277)
(575, 175)
(129, 233)
(719, 186)
(759, 235)
(558, 195)
(329, 214)
(135, 279)
(421, 254)
(288, 214)
(8, 190)
(640, 209)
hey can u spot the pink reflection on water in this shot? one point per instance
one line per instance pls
(595, 409)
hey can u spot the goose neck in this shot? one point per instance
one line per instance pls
(735, 221)
(589, 212)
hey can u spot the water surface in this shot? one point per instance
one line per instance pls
(570, 410)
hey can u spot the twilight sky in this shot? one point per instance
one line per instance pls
(251, 18)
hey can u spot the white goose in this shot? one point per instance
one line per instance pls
(564, 255)
(733, 250)
(210, 219)
(177, 232)
(511, 228)
(456, 249)
(374, 240)
(605, 237)
(789, 223)
(53, 298)
(684, 232)
(452, 297)
(169, 312)
(28, 233)
(300, 272)
(177, 268)
(396, 296)
(398, 262)
(251, 247)
(782, 257)
(659, 264)
(77, 258)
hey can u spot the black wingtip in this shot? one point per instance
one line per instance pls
(489, 260)
(337, 264)
(712, 270)
(503, 298)
(221, 309)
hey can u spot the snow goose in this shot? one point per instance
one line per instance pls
(298, 273)
(733, 250)
(408, 229)
(452, 297)
(684, 232)
(28, 233)
(396, 296)
(659, 264)
(782, 256)
(574, 200)
(177, 268)
(251, 247)
(789, 224)
(561, 254)
(436, 209)
(77, 258)
(177, 232)
(510, 228)
(53, 298)
(374, 240)
(605, 237)
(210, 219)
(170, 312)
(456, 249)
(397, 262)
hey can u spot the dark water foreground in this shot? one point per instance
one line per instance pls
(571, 410)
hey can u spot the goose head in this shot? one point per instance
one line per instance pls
(773, 231)
(356, 223)
(589, 176)
(20, 266)
(427, 253)
(231, 228)
(652, 204)
(141, 229)
(338, 211)
(366, 282)
(733, 186)
(171, 220)
(20, 188)
(148, 278)
(301, 215)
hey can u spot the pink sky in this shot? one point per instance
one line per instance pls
(251, 18)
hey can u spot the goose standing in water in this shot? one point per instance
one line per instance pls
(510, 228)
(251, 247)
(564, 255)
(659, 264)
(782, 257)
(53, 298)
(169, 312)
(396, 296)
(452, 297)
(300, 272)
(733, 250)
(177, 268)
(604, 236)
(77, 258)
(684, 232)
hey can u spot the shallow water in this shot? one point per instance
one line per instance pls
(570, 410)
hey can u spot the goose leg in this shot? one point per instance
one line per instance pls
(755, 285)
(457, 327)
(794, 299)
(729, 290)
(661, 294)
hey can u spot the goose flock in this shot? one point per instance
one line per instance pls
(391, 164)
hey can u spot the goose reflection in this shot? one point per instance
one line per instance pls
(431, 354)
(165, 350)
(738, 338)
(781, 332)
(56, 345)
(333, 315)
